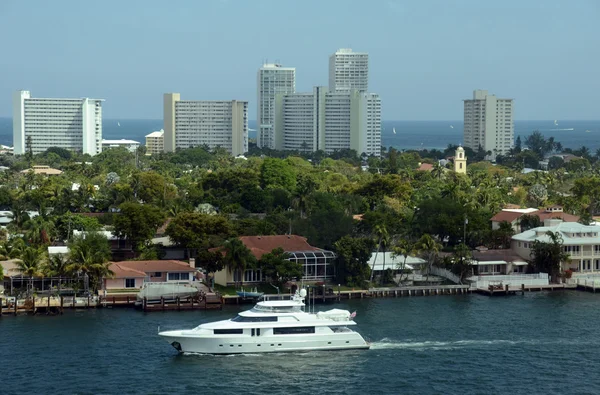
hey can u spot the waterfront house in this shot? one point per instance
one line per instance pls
(132, 274)
(513, 216)
(497, 262)
(580, 242)
(317, 263)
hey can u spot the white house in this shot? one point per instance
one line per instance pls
(581, 242)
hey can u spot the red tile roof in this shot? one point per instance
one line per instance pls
(157, 266)
(564, 216)
(425, 167)
(121, 271)
(496, 255)
(260, 245)
(510, 216)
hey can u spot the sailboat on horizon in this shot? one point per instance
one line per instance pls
(394, 130)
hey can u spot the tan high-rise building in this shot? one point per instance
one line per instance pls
(489, 124)
(213, 124)
(155, 142)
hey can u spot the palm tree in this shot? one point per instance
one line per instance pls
(237, 257)
(382, 239)
(39, 230)
(88, 256)
(405, 248)
(430, 248)
(56, 266)
(30, 263)
(437, 171)
(505, 233)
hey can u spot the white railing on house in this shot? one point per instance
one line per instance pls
(587, 282)
(515, 280)
(447, 274)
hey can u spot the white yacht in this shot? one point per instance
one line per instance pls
(272, 326)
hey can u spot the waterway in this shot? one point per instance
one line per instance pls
(538, 343)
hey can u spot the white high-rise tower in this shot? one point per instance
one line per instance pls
(348, 70)
(72, 124)
(489, 123)
(273, 79)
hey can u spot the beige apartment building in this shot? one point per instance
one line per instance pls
(190, 123)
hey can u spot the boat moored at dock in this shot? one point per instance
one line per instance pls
(272, 326)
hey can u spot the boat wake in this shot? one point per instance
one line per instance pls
(386, 343)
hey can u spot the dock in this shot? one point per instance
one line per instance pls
(211, 301)
(50, 305)
(514, 290)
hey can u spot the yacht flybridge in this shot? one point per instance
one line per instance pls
(272, 326)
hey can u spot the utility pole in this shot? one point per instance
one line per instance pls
(465, 230)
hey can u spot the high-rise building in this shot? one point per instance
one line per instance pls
(348, 70)
(329, 121)
(214, 124)
(41, 123)
(273, 79)
(155, 142)
(489, 124)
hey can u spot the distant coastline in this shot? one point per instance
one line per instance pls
(409, 135)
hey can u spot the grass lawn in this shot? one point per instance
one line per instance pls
(231, 290)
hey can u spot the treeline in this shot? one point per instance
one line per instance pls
(333, 200)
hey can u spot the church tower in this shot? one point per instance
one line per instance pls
(460, 161)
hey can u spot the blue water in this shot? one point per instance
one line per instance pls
(409, 134)
(540, 343)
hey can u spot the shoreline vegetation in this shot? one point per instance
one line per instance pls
(348, 203)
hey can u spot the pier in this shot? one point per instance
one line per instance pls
(514, 290)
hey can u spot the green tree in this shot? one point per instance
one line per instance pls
(352, 261)
(137, 223)
(65, 225)
(528, 221)
(587, 192)
(404, 248)
(548, 257)
(429, 248)
(503, 235)
(30, 263)
(89, 255)
(538, 144)
(277, 173)
(461, 259)
(276, 266)
(199, 231)
(237, 258)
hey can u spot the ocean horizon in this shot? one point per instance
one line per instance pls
(409, 134)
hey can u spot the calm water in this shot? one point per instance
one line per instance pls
(540, 343)
(409, 134)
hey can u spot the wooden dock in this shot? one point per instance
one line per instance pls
(514, 290)
(50, 305)
(211, 301)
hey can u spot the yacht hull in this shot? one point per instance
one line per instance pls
(263, 344)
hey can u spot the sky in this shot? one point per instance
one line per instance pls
(425, 56)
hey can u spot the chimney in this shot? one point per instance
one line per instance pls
(193, 263)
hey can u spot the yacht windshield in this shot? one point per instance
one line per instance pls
(276, 309)
(240, 318)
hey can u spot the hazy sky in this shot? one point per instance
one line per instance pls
(425, 55)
